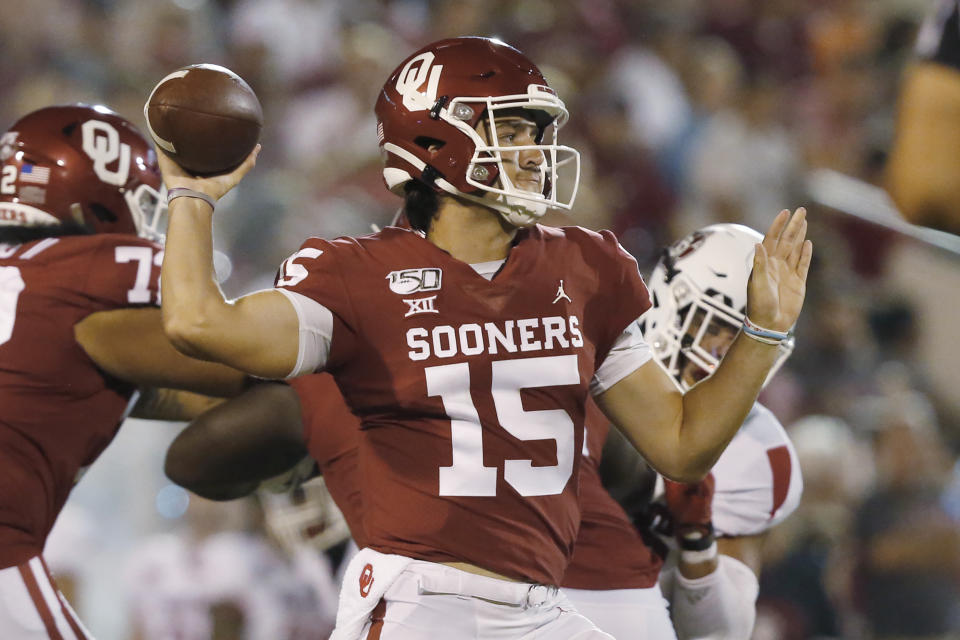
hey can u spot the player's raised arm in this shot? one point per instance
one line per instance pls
(257, 333)
(682, 435)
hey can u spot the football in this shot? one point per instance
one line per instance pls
(205, 117)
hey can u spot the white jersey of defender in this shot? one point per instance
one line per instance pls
(758, 480)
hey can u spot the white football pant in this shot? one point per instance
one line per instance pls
(417, 600)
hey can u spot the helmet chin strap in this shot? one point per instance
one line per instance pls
(519, 212)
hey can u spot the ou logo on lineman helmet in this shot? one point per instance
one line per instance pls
(412, 77)
(102, 143)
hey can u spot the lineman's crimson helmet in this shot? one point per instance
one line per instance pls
(79, 164)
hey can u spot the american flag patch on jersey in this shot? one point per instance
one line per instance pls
(380, 132)
(34, 174)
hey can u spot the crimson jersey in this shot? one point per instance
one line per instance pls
(58, 411)
(609, 553)
(331, 434)
(471, 392)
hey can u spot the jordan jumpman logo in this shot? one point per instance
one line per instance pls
(561, 294)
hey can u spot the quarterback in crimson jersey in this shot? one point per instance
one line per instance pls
(78, 320)
(468, 347)
(471, 356)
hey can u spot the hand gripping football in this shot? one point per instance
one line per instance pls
(205, 117)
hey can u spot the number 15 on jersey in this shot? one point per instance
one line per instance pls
(468, 476)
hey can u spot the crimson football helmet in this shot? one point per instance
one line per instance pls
(427, 118)
(699, 285)
(80, 164)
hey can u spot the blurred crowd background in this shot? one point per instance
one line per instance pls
(686, 112)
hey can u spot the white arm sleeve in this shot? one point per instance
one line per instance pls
(627, 354)
(316, 333)
(721, 605)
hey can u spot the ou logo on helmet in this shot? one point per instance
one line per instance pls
(102, 143)
(418, 71)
